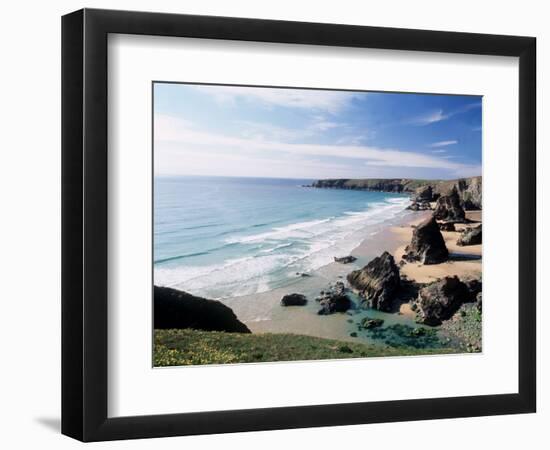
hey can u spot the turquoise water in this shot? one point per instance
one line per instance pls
(224, 237)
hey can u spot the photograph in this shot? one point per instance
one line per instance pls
(308, 224)
(258, 225)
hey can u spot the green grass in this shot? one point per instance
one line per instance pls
(192, 347)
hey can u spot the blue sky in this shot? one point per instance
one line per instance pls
(301, 133)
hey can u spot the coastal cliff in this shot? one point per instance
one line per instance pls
(468, 189)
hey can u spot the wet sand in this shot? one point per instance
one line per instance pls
(262, 312)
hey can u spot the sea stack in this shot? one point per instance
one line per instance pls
(427, 244)
(377, 282)
(423, 194)
(449, 207)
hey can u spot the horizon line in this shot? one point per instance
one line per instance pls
(307, 178)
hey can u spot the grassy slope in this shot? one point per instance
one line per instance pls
(465, 328)
(192, 347)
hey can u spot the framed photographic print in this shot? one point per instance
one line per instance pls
(273, 224)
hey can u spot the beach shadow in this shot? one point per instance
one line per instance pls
(463, 257)
(52, 423)
(408, 291)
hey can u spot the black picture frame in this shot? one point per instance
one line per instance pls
(84, 224)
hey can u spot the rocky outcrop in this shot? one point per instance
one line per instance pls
(447, 226)
(294, 300)
(417, 206)
(345, 259)
(469, 189)
(438, 301)
(178, 309)
(377, 282)
(368, 324)
(449, 208)
(334, 299)
(474, 286)
(423, 194)
(470, 236)
(303, 274)
(479, 301)
(371, 184)
(427, 244)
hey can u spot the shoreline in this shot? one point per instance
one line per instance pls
(262, 312)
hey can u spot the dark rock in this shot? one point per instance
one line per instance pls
(474, 286)
(334, 300)
(377, 282)
(425, 206)
(338, 288)
(418, 332)
(449, 207)
(419, 206)
(479, 301)
(345, 259)
(447, 226)
(423, 194)
(353, 334)
(369, 323)
(438, 301)
(470, 236)
(427, 244)
(345, 349)
(294, 300)
(178, 309)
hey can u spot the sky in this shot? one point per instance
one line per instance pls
(311, 134)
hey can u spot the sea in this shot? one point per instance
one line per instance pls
(223, 237)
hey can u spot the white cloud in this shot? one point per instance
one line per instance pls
(439, 115)
(352, 139)
(326, 125)
(266, 131)
(317, 100)
(439, 151)
(444, 143)
(431, 117)
(176, 140)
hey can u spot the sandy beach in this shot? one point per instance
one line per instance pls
(464, 262)
(262, 312)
